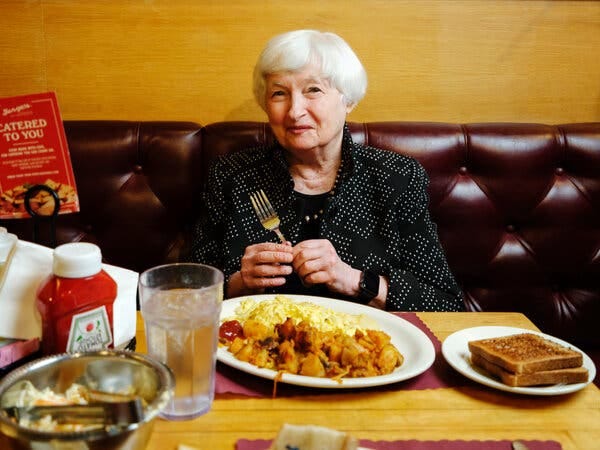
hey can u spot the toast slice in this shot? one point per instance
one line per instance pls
(544, 377)
(526, 353)
(312, 437)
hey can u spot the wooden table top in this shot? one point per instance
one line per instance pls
(469, 412)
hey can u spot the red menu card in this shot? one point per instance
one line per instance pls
(33, 151)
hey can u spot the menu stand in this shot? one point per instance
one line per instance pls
(42, 218)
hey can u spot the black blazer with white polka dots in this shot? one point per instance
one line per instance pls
(377, 219)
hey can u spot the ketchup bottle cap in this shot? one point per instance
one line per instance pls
(77, 260)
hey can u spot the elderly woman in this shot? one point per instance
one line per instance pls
(355, 217)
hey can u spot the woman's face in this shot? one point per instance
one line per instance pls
(305, 112)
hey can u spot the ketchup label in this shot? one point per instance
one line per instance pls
(90, 331)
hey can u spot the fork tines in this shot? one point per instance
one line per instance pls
(266, 213)
(262, 206)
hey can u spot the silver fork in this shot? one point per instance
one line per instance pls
(266, 214)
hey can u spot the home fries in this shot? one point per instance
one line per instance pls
(307, 339)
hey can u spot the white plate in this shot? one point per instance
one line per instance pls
(456, 351)
(415, 346)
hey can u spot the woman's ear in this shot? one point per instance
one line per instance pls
(349, 105)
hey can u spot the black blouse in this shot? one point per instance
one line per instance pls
(376, 218)
(310, 208)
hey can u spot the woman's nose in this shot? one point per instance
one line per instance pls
(297, 106)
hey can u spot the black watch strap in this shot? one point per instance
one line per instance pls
(368, 286)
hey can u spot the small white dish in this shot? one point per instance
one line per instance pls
(456, 352)
(415, 346)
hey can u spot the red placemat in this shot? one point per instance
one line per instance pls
(261, 444)
(439, 375)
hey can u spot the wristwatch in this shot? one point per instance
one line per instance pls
(368, 286)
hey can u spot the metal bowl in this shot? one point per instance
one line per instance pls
(109, 371)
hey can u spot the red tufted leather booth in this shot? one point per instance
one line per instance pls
(517, 205)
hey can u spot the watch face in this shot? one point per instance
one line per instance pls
(369, 285)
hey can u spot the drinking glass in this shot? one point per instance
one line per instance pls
(181, 306)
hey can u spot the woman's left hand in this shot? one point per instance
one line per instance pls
(317, 262)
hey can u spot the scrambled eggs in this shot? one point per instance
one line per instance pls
(276, 311)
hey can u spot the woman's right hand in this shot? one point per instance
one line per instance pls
(263, 266)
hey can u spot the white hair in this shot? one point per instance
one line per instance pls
(294, 50)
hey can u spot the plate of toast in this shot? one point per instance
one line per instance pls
(518, 360)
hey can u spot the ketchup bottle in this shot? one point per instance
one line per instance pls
(76, 301)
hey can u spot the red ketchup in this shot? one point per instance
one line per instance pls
(76, 301)
(231, 329)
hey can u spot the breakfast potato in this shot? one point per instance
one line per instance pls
(312, 366)
(253, 329)
(307, 339)
(305, 350)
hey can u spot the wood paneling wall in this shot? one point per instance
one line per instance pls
(463, 61)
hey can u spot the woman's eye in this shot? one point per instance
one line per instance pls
(314, 89)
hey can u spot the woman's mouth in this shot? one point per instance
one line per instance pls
(298, 129)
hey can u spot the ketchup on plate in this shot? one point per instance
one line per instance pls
(231, 329)
(76, 301)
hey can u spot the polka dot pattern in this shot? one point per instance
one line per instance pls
(378, 219)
